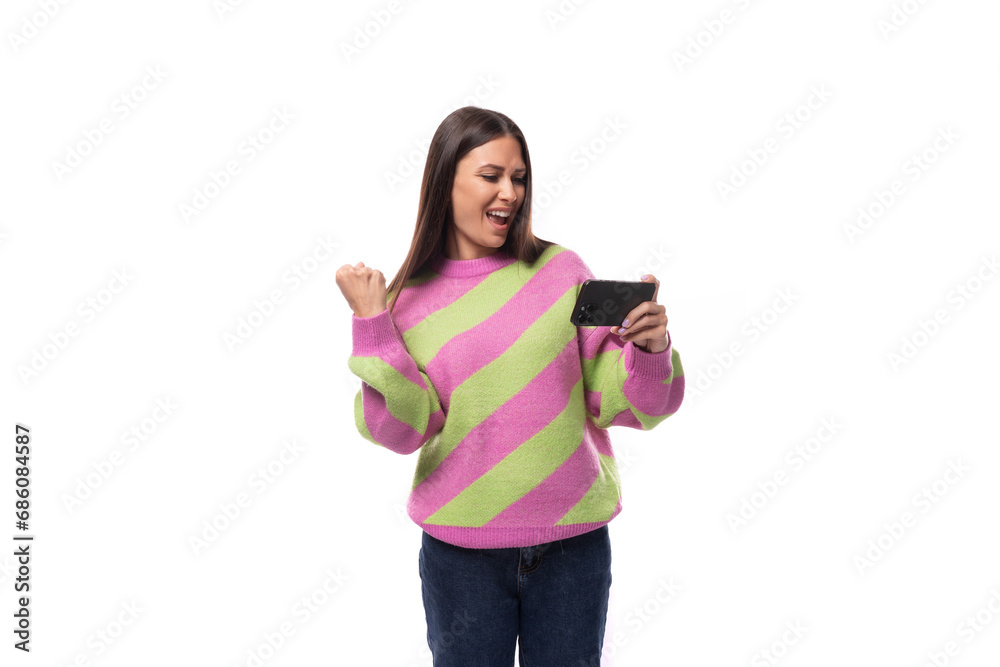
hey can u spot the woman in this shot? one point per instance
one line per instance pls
(477, 365)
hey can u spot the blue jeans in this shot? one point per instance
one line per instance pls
(552, 599)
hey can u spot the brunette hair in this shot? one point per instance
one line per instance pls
(461, 131)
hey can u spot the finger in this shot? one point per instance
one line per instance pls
(650, 330)
(637, 313)
(655, 317)
(650, 278)
(641, 322)
(629, 318)
(635, 323)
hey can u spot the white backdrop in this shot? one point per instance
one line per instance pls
(812, 183)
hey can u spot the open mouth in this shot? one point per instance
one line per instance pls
(498, 221)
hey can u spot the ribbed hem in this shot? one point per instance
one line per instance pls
(485, 537)
(652, 365)
(374, 334)
(463, 268)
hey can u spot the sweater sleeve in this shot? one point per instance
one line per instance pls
(625, 385)
(396, 407)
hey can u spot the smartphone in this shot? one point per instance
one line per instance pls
(607, 302)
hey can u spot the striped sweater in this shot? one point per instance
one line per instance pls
(480, 369)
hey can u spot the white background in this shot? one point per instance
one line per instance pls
(663, 135)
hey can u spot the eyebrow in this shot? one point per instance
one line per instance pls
(498, 167)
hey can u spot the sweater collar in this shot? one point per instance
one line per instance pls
(463, 268)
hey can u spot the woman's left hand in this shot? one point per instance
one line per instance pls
(646, 324)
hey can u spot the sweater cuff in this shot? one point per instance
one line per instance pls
(371, 335)
(651, 365)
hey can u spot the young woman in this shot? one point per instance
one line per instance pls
(476, 364)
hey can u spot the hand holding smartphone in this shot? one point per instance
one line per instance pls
(607, 302)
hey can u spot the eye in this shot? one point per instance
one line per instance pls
(493, 179)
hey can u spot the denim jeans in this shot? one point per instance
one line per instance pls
(552, 599)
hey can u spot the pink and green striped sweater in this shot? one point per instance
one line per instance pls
(480, 369)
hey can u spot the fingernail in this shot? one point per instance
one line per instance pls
(643, 278)
(625, 323)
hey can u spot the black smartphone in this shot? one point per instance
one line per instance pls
(607, 302)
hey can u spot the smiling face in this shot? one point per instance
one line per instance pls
(489, 177)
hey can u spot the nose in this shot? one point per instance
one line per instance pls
(507, 191)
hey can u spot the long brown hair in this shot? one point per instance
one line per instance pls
(461, 131)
